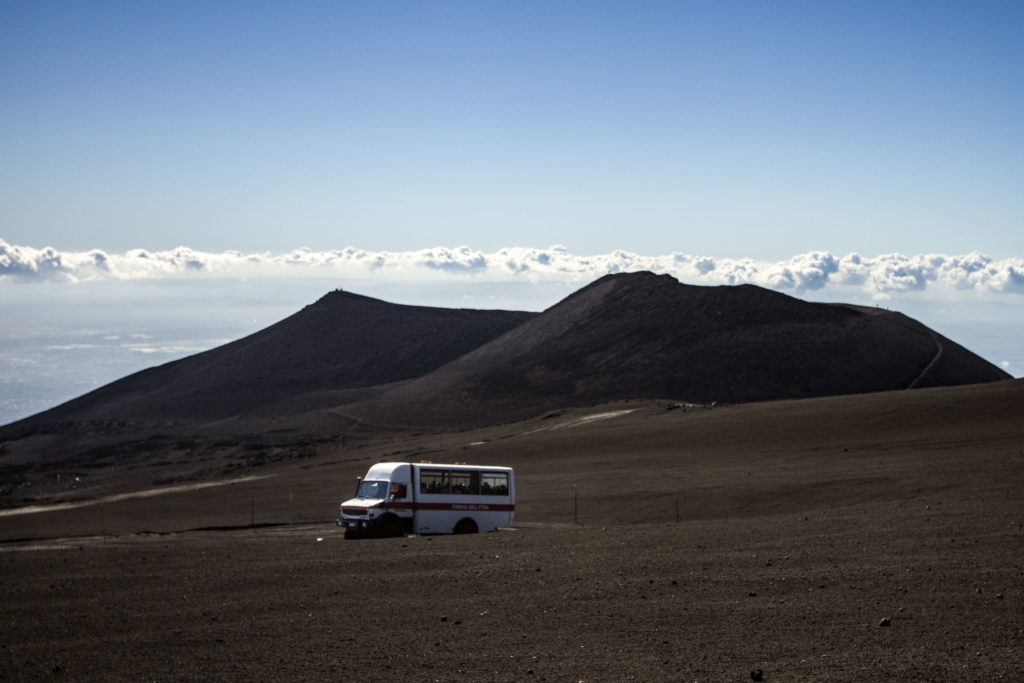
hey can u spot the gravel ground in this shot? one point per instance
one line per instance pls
(893, 592)
(870, 538)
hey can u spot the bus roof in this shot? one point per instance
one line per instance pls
(383, 469)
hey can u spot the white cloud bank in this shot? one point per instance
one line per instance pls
(878, 276)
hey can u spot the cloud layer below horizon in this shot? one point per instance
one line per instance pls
(143, 308)
(877, 276)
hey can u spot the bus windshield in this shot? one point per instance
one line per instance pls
(373, 489)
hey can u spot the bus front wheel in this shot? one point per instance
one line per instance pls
(465, 526)
(388, 528)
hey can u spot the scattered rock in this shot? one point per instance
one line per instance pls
(757, 675)
(886, 621)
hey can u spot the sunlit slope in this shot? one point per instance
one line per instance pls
(635, 462)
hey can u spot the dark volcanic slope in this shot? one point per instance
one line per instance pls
(638, 335)
(641, 335)
(343, 341)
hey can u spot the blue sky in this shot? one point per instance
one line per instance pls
(225, 163)
(707, 127)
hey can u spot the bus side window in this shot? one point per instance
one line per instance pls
(398, 491)
(494, 484)
(465, 482)
(434, 481)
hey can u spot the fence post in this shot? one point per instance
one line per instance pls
(575, 506)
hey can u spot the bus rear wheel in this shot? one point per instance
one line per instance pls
(465, 526)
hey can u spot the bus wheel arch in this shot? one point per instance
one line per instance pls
(466, 525)
(387, 526)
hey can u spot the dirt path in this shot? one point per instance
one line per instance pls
(147, 493)
(928, 368)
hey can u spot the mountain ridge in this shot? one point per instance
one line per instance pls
(342, 341)
(351, 367)
(624, 336)
(642, 335)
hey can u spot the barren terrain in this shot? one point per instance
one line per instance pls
(869, 537)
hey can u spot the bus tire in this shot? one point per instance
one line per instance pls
(465, 526)
(388, 527)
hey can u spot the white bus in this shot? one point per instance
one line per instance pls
(396, 498)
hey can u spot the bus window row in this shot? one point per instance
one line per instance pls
(464, 482)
